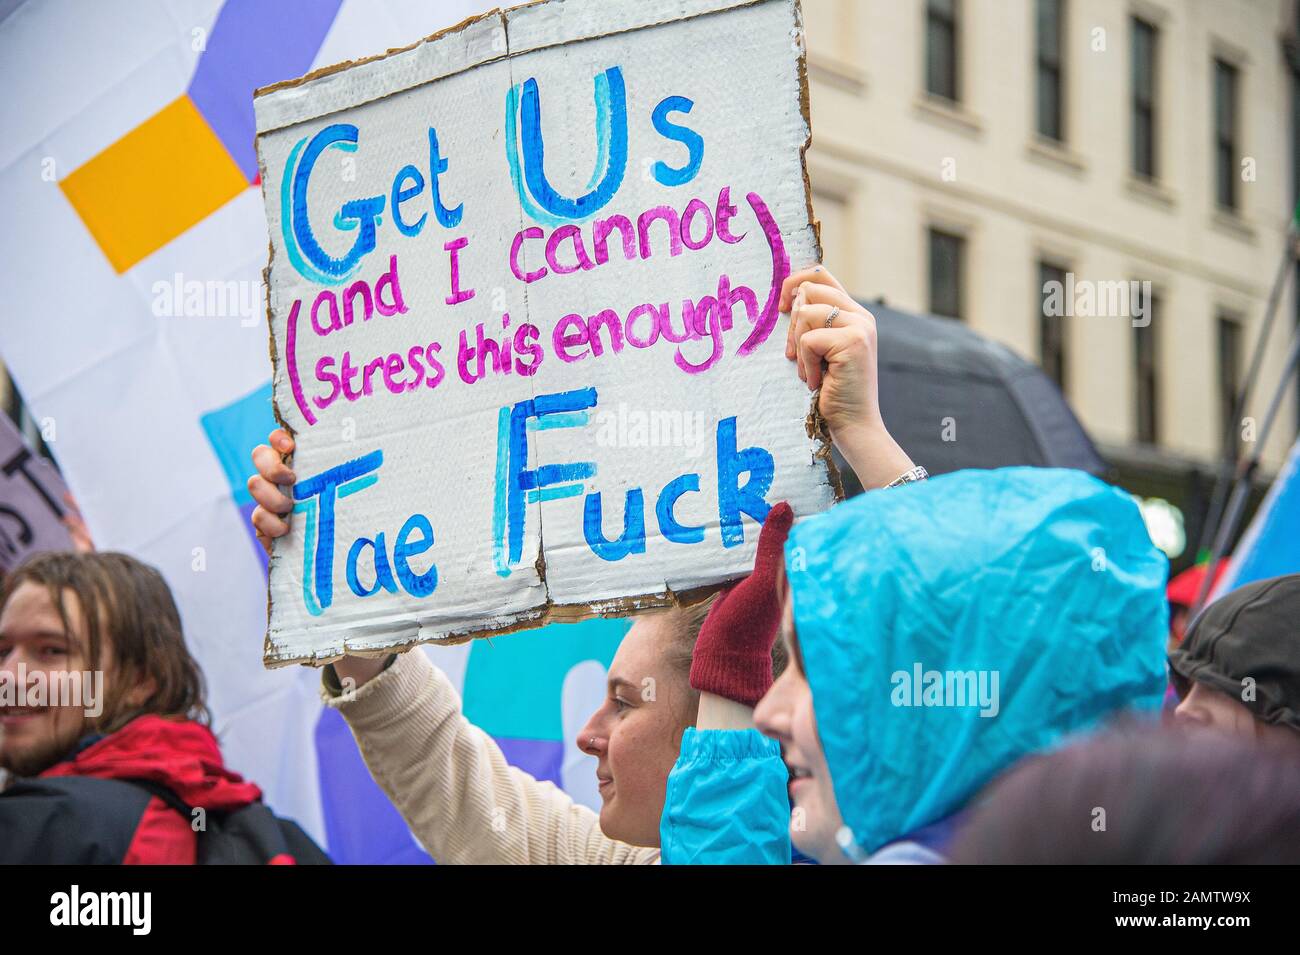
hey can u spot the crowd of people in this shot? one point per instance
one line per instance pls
(969, 668)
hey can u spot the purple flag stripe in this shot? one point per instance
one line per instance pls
(255, 44)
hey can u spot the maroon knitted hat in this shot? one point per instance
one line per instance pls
(733, 654)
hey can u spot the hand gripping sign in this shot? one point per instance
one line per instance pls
(523, 298)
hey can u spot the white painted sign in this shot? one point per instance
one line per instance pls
(523, 303)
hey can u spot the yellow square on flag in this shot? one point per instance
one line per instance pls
(166, 175)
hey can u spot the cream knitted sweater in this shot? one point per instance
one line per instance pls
(452, 784)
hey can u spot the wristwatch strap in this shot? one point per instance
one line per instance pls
(917, 473)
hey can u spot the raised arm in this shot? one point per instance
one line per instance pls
(728, 799)
(832, 341)
(452, 784)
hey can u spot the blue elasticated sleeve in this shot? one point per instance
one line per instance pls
(727, 801)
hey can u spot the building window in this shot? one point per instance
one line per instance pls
(1225, 134)
(1144, 98)
(1230, 356)
(947, 272)
(1050, 91)
(1146, 396)
(1051, 322)
(941, 49)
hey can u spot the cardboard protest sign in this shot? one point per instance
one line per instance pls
(31, 501)
(523, 297)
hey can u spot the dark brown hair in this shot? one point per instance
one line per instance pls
(1141, 797)
(128, 604)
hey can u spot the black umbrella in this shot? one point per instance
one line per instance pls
(954, 399)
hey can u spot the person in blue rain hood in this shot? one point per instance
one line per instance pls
(939, 632)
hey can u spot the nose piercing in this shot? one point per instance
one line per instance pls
(591, 743)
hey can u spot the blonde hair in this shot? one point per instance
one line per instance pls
(688, 619)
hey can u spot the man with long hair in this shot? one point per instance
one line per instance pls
(103, 726)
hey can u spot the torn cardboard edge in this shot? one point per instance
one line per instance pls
(814, 425)
(529, 620)
(541, 24)
(546, 612)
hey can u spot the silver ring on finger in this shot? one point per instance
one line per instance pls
(830, 319)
